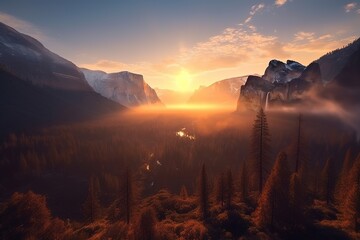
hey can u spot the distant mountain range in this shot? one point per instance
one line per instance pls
(172, 97)
(224, 92)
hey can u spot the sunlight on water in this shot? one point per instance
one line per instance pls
(183, 134)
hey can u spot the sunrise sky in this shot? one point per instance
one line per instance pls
(184, 44)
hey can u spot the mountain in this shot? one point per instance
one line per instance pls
(171, 97)
(332, 63)
(128, 89)
(222, 92)
(335, 76)
(280, 72)
(27, 59)
(345, 87)
(281, 84)
(40, 88)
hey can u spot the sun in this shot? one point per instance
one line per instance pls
(183, 81)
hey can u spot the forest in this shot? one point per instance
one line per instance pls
(183, 175)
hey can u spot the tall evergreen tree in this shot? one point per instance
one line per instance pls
(297, 198)
(229, 189)
(272, 210)
(298, 152)
(127, 194)
(91, 207)
(183, 192)
(260, 146)
(220, 190)
(349, 191)
(203, 194)
(145, 227)
(244, 182)
(342, 183)
(327, 181)
(352, 206)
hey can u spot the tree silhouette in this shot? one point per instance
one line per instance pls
(352, 210)
(260, 146)
(229, 189)
(327, 181)
(127, 194)
(203, 194)
(351, 203)
(91, 207)
(342, 185)
(244, 190)
(272, 210)
(297, 198)
(183, 192)
(220, 190)
(145, 227)
(298, 153)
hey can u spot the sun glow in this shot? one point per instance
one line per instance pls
(183, 81)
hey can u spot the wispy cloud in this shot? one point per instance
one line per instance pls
(279, 3)
(300, 36)
(350, 6)
(22, 26)
(254, 9)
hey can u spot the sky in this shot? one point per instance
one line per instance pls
(182, 44)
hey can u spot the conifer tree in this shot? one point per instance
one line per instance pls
(327, 182)
(244, 190)
(91, 207)
(220, 190)
(296, 198)
(203, 194)
(272, 210)
(127, 194)
(229, 189)
(342, 184)
(260, 146)
(298, 152)
(145, 227)
(352, 207)
(183, 192)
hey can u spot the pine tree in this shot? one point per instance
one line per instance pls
(145, 227)
(229, 189)
(296, 198)
(220, 190)
(127, 194)
(203, 194)
(342, 184)
(327, 182)
(298, 153)
(260, 146)
(272, 210)
(91, 207)
(183, 192)
(244, 190)
(352, 207)
(348, 205)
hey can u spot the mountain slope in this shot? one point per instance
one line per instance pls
(40, 88)
(332, 63)
(28, 59)
(222, 92)
(126, 88)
